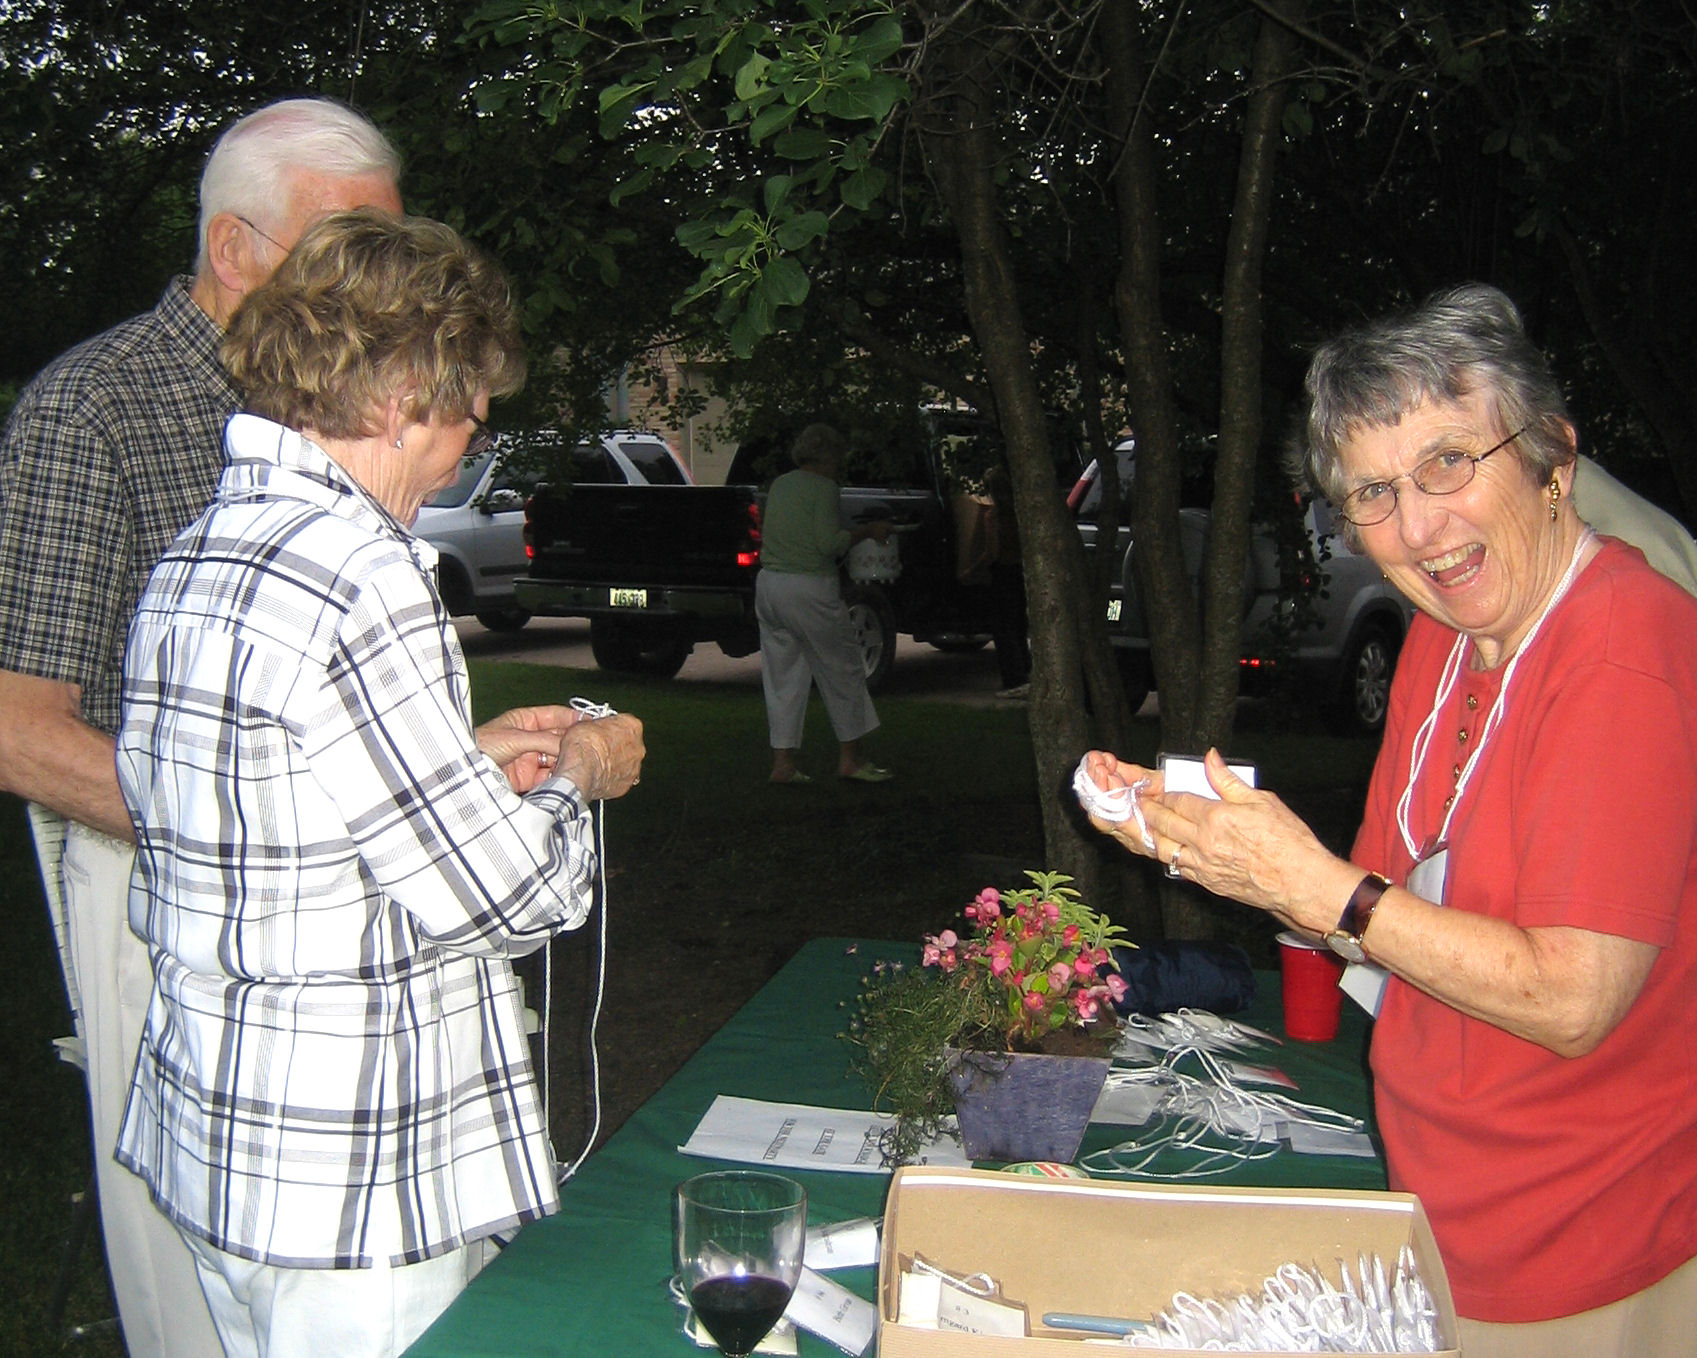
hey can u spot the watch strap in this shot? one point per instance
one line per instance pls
(1358, 914)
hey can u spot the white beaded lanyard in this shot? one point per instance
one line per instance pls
(1493, 719)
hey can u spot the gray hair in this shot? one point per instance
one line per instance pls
(816, 445)
(251, 167)
(1457, 343)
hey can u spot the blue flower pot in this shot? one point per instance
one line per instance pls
(1024, 1105)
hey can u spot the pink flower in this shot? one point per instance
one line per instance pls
(1001, 956)
(1051, 911)
(1085, 966)
(947, 961)
(930, 956)
(1116, 986)
(1060, 976)
(989, 904)
(1033, 1000)
(947, 939)
(1069, 935)
(1085, 1005)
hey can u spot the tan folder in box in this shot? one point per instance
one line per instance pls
(1118, 1249)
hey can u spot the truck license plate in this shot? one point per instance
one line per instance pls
(628, 598)
(1114, 609)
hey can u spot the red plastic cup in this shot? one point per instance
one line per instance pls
(1310, 971)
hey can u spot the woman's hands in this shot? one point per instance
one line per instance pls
(1248, 846)
(601, 755)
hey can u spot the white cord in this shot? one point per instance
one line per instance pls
(593, 711)
(1208, 1114)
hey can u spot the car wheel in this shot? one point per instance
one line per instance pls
(654, 650)
(875, 630)
(503, 619)
(1364, 691)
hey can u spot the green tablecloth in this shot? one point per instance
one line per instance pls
(591, 1280)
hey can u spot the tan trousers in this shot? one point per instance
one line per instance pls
(1659, 1322)
(160, 1303)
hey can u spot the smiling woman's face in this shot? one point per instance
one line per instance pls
(1482, 559)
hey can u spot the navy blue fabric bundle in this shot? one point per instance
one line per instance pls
(1161, 977)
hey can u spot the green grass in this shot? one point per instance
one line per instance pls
(714, 878)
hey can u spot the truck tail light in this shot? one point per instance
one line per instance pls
(748, 554)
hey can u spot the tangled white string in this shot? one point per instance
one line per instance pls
(1116, 806)
(1203, 1110)
(1300, 1311)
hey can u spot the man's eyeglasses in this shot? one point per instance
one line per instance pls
(260, 232)
(1443, 473)
(482, 439)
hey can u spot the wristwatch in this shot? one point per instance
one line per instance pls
(1345, 940)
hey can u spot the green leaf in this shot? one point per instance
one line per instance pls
(770, 119)
(881, 41)
(860, 189)
(751, 76)
(785, 282)
(798, 231)
(775, 190)
(802, 143)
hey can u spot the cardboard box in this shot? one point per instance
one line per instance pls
(1119, 1249)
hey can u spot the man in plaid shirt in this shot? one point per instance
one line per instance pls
(107, 456)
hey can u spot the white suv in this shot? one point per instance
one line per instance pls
(476, 525)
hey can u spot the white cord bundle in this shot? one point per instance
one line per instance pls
(593, 711)
(1299, 1311)
(1210, 1114)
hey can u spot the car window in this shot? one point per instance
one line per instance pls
(451, 497)
(593, 465)
(653, 461)
(1125, 456)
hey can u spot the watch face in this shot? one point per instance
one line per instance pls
(1346, 946)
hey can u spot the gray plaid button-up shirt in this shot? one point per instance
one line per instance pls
(331, 878)
(109, 454)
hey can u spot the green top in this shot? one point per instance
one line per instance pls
(801, 531)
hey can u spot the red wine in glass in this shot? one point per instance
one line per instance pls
(740, 1239)
(739, 1311)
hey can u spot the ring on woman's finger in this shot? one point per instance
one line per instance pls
(1177, 850)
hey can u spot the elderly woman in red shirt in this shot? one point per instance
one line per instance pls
(1526, 875)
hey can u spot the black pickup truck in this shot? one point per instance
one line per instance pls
(657, 569)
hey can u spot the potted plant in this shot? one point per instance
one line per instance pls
(1008, 1026)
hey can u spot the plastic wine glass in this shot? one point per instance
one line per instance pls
(740, 1237)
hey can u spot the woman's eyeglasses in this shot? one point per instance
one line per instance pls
(482, 438)
(1443, 473)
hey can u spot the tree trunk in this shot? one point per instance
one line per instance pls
(1195, 670)
(959, 148)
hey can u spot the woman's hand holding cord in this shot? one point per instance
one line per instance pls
(1562, 988)
(525, 742)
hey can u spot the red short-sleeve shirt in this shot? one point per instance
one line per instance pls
(1554, 1185)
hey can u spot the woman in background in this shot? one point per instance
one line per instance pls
(806, 637)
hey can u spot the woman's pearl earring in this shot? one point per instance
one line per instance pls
(1555, 494)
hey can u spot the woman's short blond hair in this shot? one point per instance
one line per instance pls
(369, 307)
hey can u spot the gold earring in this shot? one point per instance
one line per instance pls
(1555, 494)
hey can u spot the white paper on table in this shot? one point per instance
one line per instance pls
(842, 1244)
(829, 1310)
(1309, 1140)
(799, 1136)
(1128, 1105)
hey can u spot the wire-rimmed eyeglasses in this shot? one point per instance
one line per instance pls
(260, 231)
(482, 438)
(1443, 473)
